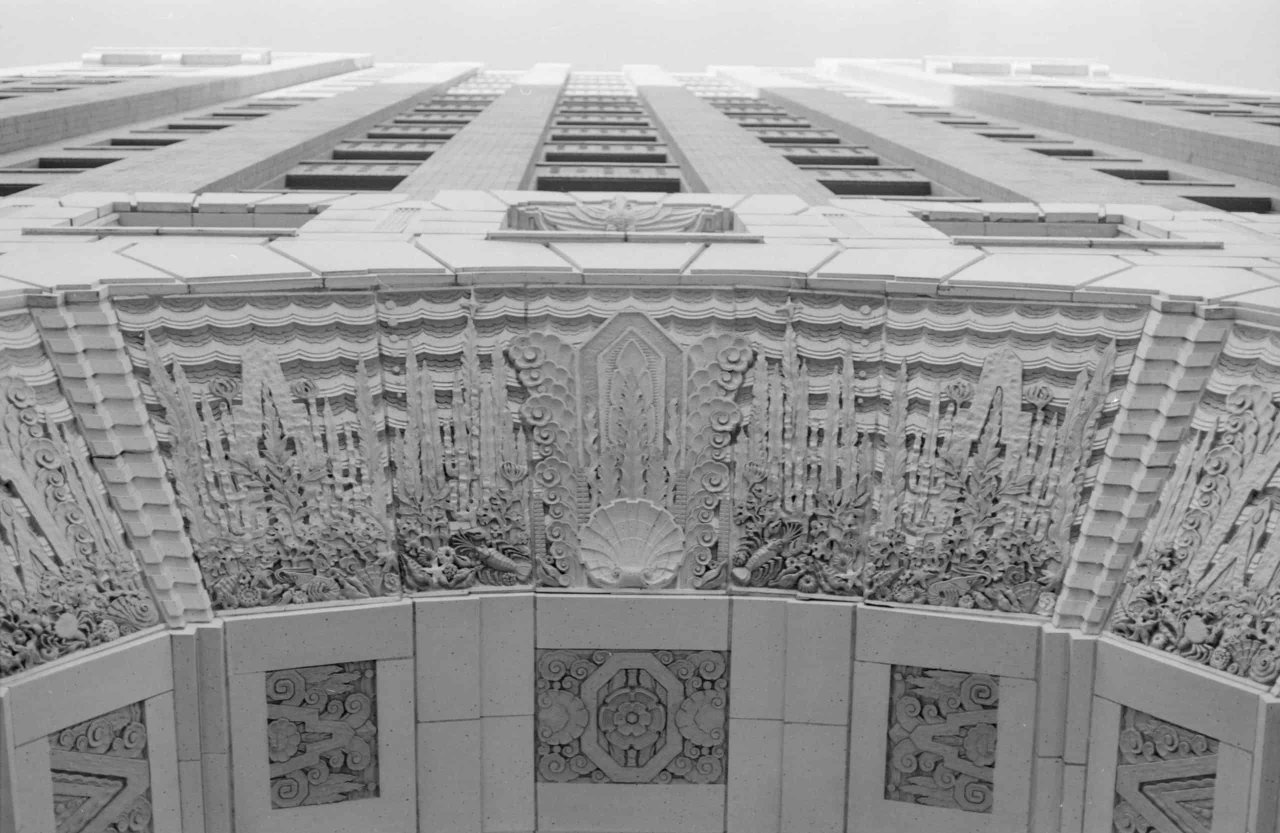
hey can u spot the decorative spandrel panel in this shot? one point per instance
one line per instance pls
(101, 774)
(322, 734)
(942, 738)
(618, 438)
(1204, 584)
(632, 717)
(67, 578)
(1164, 777)
(269, 413)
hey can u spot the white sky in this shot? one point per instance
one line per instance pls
(1235, 42)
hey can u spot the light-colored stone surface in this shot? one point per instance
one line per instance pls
(758, 659)
(297, 638)
(819, 655)
(630, 808)
(725, 261)
(1100, 774)
(1187, 281)
(344, 258)
(506, 654)
(754, 775)
(931, 639)
(496, 257)
(1191, 696)
(632, 622)
(447, 650)
(166, 808)
(633, 260)
(51, 265)
(63, 694)
(1061, 271)
(33, 788)
(814, 761)
(932, 264)
(449, 776)
(1054, 685)
(507, 798)
(229, 260)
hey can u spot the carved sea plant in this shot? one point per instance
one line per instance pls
(67, 580)
(973, 509)
(285, 503)
(461, 479)
(1205, 585)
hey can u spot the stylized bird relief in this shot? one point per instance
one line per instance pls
(621, 214)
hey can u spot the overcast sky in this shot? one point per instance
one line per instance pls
(1228, 41)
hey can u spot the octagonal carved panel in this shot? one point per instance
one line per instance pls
(632, 717)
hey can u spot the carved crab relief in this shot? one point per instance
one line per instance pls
(632, 717)
(942, 738)
(1205, 585)
(101, 774)
(1165, 777)
(322, 738)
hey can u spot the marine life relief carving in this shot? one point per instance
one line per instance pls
(67, 580)
(972, 507)
(632, 458)
(1204, 586)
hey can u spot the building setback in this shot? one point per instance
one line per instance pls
(882, 445)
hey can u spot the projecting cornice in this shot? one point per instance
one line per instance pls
(372, 407)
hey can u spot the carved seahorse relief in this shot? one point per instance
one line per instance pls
(1204, 585)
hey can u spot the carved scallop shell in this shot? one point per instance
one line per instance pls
(631, 543)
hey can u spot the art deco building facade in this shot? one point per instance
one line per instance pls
(872, 446)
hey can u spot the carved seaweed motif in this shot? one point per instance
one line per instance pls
(973, 510)
(1205, 586)
(1164, 777)
(284, 503)
(632, 717)
(461, 479)
(101, 775)
(942, 738)
(321, 737)
(630, 424)
(66, 579)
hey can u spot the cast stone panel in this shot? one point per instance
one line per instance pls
(322, 738)
(942, 738)
(632, 717)
(1164, 777)
(101, 774)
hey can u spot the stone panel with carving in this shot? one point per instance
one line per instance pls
(1205, 584)
(1165, 777)
(942, 738)
(669, 438)
(67, 579)
(619, 214)
(322, 735)
(632, 717)
(102, 775)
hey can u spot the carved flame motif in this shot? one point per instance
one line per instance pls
(620, 214)
(1205, 586)
(66, 579)
(972, 509)
(636, 430)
